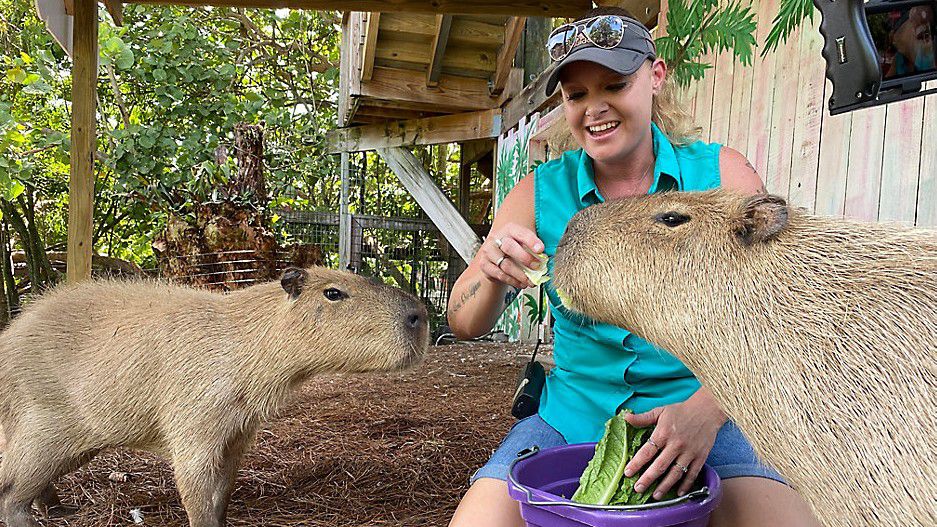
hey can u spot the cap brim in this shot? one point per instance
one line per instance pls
(621, 60)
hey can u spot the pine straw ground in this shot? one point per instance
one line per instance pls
(367, 450)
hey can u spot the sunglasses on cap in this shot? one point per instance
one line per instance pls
(603, 31)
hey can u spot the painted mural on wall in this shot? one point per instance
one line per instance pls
(519, 320)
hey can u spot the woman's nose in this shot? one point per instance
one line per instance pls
(596, 109)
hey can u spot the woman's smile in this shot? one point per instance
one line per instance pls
(602, 130)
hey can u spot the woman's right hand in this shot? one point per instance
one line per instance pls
(507, 251)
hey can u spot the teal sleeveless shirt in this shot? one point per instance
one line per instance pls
(599, 366)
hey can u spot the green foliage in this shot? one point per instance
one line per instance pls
(698, 27)
(173, 83)
(791, 13)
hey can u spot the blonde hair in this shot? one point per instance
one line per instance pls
(669, 113)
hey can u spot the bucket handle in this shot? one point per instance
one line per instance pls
(701, 493)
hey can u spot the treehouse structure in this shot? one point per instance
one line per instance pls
(415, 71)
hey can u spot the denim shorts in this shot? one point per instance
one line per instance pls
(732, 455)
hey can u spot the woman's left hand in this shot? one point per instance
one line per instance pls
(679, 445)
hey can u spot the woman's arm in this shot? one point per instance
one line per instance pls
(738, 174)
(484, 289)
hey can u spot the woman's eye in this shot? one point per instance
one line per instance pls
(574, 96)
(334, 294)
(672, 219)
(618, 86)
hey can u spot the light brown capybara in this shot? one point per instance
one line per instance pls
(185, 373)
(818, 335)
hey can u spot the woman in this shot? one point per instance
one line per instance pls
(618, 108)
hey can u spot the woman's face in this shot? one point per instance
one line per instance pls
(609, 114)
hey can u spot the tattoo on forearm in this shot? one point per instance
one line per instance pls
(761, 185)
(465, 296)
(510, 296)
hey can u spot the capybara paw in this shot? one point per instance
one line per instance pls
(61, 511)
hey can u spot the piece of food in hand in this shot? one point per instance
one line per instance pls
(564, 299)
(538, 276)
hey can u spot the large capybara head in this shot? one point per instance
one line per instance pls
(356, 324)
(640, 261)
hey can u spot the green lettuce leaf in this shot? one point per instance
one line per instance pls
(603, 482)
(602, 477)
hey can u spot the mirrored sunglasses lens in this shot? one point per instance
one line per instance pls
(560, 42)
(606, 32)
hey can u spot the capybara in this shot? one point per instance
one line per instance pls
(818, 335)
(185, 373)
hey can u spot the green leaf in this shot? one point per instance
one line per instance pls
(124, 59)
(791, 13)
(602, 476)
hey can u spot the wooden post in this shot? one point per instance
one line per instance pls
(344, 219)
(436, 205)
(536, 58)
(81, 179)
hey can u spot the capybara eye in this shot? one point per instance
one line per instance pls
(334, 294)
(672, 219)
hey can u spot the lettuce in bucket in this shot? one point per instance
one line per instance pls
(604, 482)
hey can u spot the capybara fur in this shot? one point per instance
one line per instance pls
(187, 374)
(817, 335)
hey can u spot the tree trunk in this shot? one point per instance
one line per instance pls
(229, 244)
(249, 150)
(48, 277)
(11, 296)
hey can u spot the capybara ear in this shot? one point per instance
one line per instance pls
(293, 280)
(762, 218)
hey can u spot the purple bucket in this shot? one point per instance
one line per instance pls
(540, 479)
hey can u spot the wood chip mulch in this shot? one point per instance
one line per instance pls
(353, 450)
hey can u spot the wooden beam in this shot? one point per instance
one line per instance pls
(473, 33)
(426, 131)
(116, 10)
(410, 86)
(438, 49)
(417, 55)
(513, 31)
(370, 45)
(344, 218)
(554, 8)
(436, 205)
(532, 98)
(81, 176)
(472, 151)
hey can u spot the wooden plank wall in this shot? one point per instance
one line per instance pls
(877, 164)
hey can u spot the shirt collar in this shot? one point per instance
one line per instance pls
(665, 163)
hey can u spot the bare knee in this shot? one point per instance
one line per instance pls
(761, 502)
(487, 504)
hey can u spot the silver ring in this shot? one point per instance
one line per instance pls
(681, 467)
(498, 263)
(653, 444)
(498, 242)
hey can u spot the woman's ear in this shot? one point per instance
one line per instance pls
(658, 74)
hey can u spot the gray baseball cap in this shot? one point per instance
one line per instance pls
(635, 47)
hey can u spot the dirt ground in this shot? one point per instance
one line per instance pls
(368, 450)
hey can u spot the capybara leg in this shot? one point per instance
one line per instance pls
(204, 488)
(28, 470)
(205, 481)
(49, 504)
